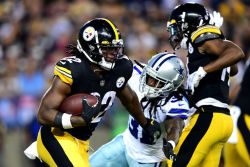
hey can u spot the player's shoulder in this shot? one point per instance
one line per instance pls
(138, 68)
(137, 71)
(69, 62)
(67, 67)
(124, 63)
(205, 33)
(124, 66)
(177, 107)
(180, 102)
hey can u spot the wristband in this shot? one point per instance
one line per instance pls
(66, 123)
(58, 119)
(172, 143)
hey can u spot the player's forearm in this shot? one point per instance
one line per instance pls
(134, 109)
(174, 128)
(130, 101)
(46, 115)
(173, 134)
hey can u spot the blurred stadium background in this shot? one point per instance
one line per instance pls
(33, 34)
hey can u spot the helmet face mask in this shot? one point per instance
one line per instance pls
(176, 36)
(100, 41)
(185, 19)
(112, 52)
(162, 75)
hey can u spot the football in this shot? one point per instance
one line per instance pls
(73, 104)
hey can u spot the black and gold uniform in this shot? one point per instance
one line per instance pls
(214, 88)
(238, 154)
(96, 66)
(76, 72)
(211, 125)
(192, 27)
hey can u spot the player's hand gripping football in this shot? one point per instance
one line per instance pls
(89, 112)
(153, 130)
(168, 150)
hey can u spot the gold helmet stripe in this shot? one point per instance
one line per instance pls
(114, 29)
(64, 74)
(205, 29)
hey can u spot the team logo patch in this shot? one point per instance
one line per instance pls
(88, 34)
(120, 81)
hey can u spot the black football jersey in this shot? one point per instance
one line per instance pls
(213, 89)
(77, 72)
(243, 97)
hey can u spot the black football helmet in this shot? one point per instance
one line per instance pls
(184, 20)
(100, 41)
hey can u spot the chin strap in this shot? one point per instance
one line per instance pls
(106, 65)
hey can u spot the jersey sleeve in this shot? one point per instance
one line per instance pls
(63, 69)
(134, 81)
(178, 108)
(206, 33)
(125, 69)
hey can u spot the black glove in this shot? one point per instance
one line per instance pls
(168, 150)
(89, 112)
(153, 130)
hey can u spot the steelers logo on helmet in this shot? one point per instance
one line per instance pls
(119, 82)
(88, 34)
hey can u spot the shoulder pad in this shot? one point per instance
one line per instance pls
(63, 69)
(124, 57)
(205, 33)
(138, 68)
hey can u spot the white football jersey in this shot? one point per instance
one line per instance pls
(137, 144)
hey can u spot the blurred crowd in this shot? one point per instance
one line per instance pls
(34, 33)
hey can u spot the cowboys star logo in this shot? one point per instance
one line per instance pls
(88, 34)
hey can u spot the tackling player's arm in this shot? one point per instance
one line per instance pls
(228, 54)
(173, 128)
(51, 101)
(130, 101)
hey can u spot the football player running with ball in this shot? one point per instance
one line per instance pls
(97, 66)
(155, 84)
(209, 59)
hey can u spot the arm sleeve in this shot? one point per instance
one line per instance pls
(178, 108)
(63, 70)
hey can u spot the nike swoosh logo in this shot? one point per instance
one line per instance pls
(180, 104)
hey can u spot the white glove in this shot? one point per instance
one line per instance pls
(216, 19)
(194, 79)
